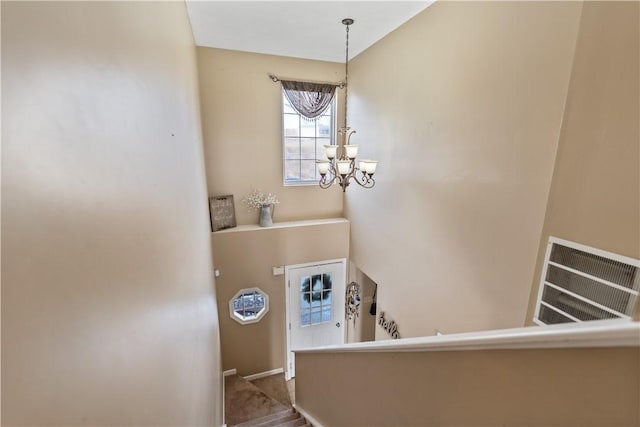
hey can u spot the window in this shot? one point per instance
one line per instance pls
(315, 299)
(249, 305)
(304, 142)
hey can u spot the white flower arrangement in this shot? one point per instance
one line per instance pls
(256, 199)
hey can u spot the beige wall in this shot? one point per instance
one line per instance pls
(507, 388)
(462, 105)
(595, 195)
(108, 305)
(245, 259)
(242, 129)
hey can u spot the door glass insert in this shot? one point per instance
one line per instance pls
(315, 299)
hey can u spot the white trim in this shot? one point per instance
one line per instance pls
(229, 372)
(310, 420)
(286, 224)
(595, 333)
(224, 397)
(317, 263)
(264, 374)
(287, 326)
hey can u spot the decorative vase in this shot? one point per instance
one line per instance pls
(266, 215)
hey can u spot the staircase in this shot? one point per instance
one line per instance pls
(263, 402)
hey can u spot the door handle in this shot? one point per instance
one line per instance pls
(338, 325)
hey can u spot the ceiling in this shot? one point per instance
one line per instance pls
(301, 29)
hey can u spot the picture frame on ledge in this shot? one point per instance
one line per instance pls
(223, 212)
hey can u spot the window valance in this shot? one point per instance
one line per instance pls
(309, 99)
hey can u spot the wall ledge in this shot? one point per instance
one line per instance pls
(286, 224)
(605, 333)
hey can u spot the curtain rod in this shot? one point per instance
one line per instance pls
(276, 79)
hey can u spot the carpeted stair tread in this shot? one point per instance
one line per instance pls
(294, 423)
(245, 402)
(272, 420)
(275, 387)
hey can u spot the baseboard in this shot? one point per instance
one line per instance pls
(309, 418)
(263, 374)
(229, 372)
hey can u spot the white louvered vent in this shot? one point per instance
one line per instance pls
(580, 283)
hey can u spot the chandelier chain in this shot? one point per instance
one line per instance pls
(346, 76)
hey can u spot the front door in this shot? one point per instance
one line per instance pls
(315, 306)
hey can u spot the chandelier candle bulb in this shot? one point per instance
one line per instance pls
(331, 151)
(371, 166)
(351, 151)
(323, 166)
(344, 166)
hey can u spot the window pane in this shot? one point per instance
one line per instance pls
(324, 126)
(308, 128)
(316, 301)
(316, 316)
(291, 125)
(305, 284)
(326, 279)
(308, 170)
(305, 301)
(316, 290)
(287, 108)
(259, 300)
(305, 317)
(292, 148)
(317, 286)
(308, 148)
(326, 313)
(292, 169)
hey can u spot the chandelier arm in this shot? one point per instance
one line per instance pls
(326, 183)
(366, 181)
(347, 135)
(330, 177)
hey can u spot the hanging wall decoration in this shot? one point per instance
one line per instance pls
(353, 302)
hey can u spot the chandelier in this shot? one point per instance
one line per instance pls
(342, 166)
